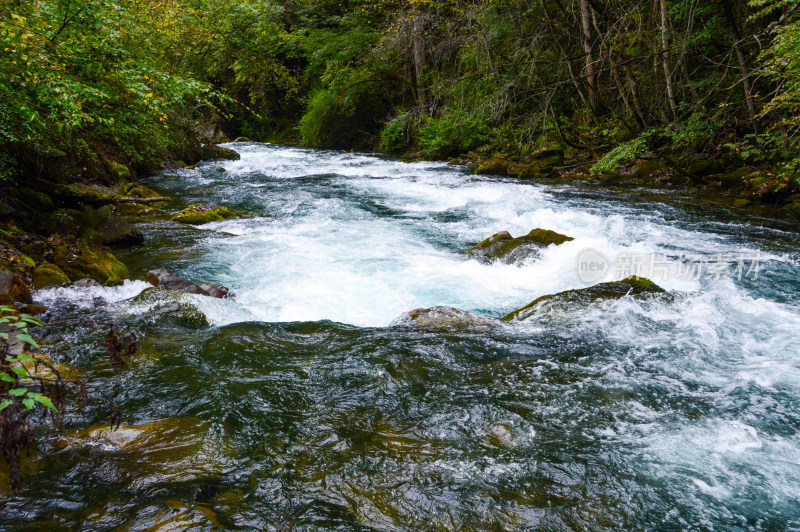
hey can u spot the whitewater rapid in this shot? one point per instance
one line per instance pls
(696, 395)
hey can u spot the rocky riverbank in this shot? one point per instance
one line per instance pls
(726, 181)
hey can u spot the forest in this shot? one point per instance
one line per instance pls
(608, 80)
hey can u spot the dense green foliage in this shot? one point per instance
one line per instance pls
(631, 78)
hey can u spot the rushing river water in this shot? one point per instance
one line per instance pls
(302, 405)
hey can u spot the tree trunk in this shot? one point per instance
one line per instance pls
(591, 78)
(418, 44)
(665, 61)
(730, 16)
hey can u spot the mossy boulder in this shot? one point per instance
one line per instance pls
(171, 306)
(201, 214)
(742, 202)
(114, 230)
(792, 209)
(735, 179)
(528, 170)
(646, 169)
(120, 172)
(36, 200)
(137, 212)
(632, 285)
(212, 151)
(83, 194)
(504, 247)
(241, 139)
(704, 167)
(550, 155)
(85, 262)
(493, 167)
(48, 275)
(444, 317)
(141, 191)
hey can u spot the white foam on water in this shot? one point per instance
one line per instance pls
(89, 294)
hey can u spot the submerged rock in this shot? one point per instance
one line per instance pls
(612, 290)
(502, 246)
(444, 317)
(143, 455)
(162, 278)
(197, 214)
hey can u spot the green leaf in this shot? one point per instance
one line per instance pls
(6, 377)
(27, 339)
(26, 358)
(28, 403)
(19, 370)
(45, 401)
(17, 392)
(4, 404)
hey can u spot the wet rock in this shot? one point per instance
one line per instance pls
(241, 139)
(502, 246)
(200, 214)
(742, 202)
(14, 288)
(162, 278)
(571, 298)
(493, 167)
(85, 262)
(172, 306)
(444, 317)
(212, 151)
(48, 275)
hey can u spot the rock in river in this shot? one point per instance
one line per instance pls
(444, 317)
(504, 247)
(162, 278)
(614, 290)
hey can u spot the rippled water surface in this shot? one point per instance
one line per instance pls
(302, 405)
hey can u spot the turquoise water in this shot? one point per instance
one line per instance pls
(305, 405)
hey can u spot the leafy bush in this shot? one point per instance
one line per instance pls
(452, 134)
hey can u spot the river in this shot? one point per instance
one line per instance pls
(304, 404)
